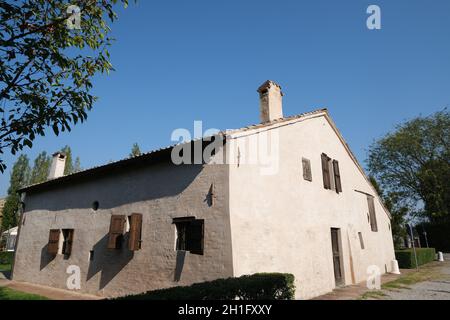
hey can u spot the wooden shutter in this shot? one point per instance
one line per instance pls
(53, 242)
(69, 241)
(325, 172)
(116, 230)
(373, 217)
(195, 236)
(134, 241)
(337, 176)
(307, 175)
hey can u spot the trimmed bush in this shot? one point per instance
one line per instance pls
(6, 257)
(260, 286)
(406, 259)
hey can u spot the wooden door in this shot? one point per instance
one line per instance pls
(337, 257)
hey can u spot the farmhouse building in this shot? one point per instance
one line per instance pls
(146, 223)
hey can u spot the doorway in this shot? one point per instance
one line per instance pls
(337, 256)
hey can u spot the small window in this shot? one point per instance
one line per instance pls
(190, 234)
(361, 240)
(95, 205)
(307, 175)
(372, 215)
(67, 237)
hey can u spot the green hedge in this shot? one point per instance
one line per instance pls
(406, 259)
(6, 257)
(260, 286)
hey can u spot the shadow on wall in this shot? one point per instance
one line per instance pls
(46, 258)
(108, 261)
(119, 186)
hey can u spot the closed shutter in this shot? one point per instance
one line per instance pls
(134, 241)
(53, 242)
(116, 231)
(69, 241)
(307, 175)
(337, 176)
(325, 172)
(373, 217)
(195, 236)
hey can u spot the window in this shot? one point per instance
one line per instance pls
(190, 234)
(116, 231)
(361, 240)
(95, 205)
(331, 174)
(91, 255)
(307, 175)
(60, 242)
(67, 237)
(372, 215)
(121, 225)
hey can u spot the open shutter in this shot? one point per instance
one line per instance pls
(373, 217)
(116, 230)
(306, 169)
(325, 172)
(337, 176)
(69, 241)
(134, 241)
(195, 236)
(53, 242)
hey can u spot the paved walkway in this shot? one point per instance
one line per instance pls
(49, 292)
(436, 289)
(355, 291)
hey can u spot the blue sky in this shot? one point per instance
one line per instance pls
(180, 61)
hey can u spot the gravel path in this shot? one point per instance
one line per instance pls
(436, 289)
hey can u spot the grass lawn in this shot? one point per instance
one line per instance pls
(5, 267)
(10, 294)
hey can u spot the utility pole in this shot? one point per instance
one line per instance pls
(413, 245)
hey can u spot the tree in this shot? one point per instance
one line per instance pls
(135, 151)
(413, 163)
(68, 169)
(47, 62)
(77, 165)
(19, 178)
(41, 168)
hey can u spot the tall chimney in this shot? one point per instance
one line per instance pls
(58, 165)
(270, 101)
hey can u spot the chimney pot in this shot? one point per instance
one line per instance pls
(270, 101)
(58, 165)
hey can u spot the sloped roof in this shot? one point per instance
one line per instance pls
(162, 154)
(148, 157)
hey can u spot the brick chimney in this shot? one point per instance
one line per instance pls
(270, 101)
(58, 165)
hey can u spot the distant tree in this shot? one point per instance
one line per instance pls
(77, 165)
(413, 163)
(49, 53)
(19, 178)
(135, 150)
(68, 169)
(41, 168)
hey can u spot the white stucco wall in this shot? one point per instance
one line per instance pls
(281, 222)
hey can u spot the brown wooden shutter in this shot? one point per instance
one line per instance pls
(337, 176)
(134, 241)
(69, 241)
(373, 217)
(195, 236)
(53, 242)
(116, 230)
(326, 172)
(307, 175)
